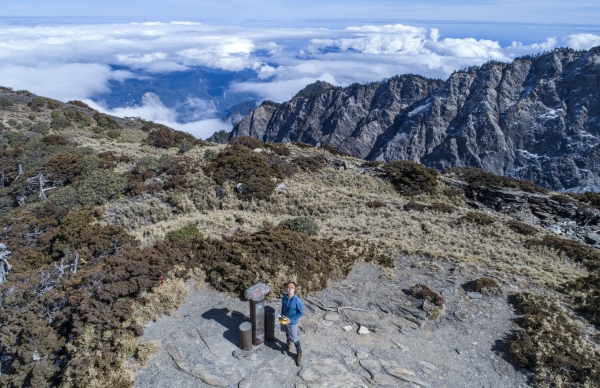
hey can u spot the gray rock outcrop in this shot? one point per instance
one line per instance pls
(536, 118)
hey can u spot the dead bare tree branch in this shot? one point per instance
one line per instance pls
(5, 266)
(39, 181)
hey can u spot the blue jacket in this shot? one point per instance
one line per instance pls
(294, 310)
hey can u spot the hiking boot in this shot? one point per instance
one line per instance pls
(299, 358)
(288, 346)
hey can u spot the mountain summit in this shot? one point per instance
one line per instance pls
(536, 118)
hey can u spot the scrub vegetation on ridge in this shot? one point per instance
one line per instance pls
(122, 211)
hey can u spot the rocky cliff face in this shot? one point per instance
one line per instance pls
(537, 118)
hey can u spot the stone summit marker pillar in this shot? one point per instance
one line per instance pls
(256, 295)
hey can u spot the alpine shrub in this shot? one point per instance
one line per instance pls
(100, 187)
(166, 137)
(301, 224)
(184, 235)
(410, 178)
(59, 123)
(5, 101)
(42, 127)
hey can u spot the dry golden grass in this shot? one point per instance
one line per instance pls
(337, 200)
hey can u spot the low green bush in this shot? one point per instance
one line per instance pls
(185, 147)
(41, 127)
(146, 163)
(60, 122)
(70, 113)
(105, 121)
(302, 225)
(65, 198)
(14, 139)
(184, 235)
(38, 101)
(12, 122)
(210, 155)
(100, 187)
(112, 134)
(5, 102)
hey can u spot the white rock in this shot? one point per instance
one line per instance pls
(280, 186)
(347, 328)
(555, 229)
(363, 330)
(258, 150)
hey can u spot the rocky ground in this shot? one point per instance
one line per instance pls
(466, 347)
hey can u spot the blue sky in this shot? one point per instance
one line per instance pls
(533, 11)
(78, 50)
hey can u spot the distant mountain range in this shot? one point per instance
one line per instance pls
(536, 118)
(195, 94)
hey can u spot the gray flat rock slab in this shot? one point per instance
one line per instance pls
(199, 346)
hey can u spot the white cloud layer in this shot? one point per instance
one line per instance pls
(78, 61)
(153, 109)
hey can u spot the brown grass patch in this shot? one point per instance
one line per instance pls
(166, 137)
(480, 178)
(521, 227)
(442, 207)
(478, 218)
(375, 204)
(486, 286)
(334, 151)
(585, 292)
(588, 256)
(310, 163)
(433, 302)
(247, 141)
(410, 178)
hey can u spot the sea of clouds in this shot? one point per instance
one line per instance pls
(79, 61)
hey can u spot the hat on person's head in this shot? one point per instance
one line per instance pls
(291, 284)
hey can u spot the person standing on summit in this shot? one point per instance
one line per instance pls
(292, 308)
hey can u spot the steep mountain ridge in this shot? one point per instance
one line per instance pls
(535, 118)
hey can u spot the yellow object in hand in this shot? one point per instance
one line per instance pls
(283, 320)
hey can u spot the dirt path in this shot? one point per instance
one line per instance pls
(464, 348)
